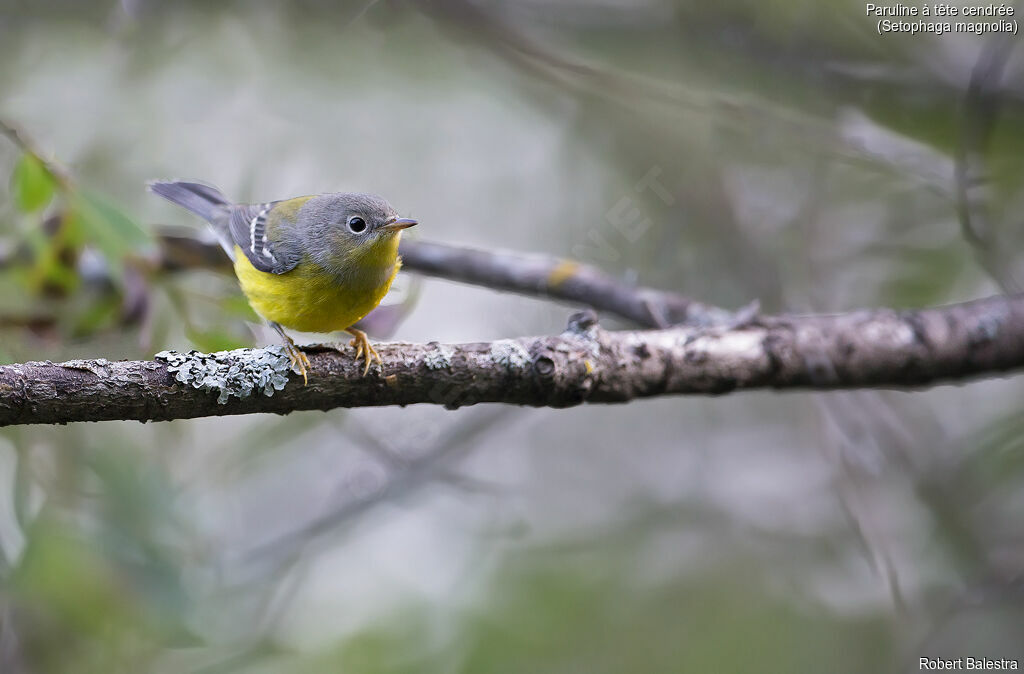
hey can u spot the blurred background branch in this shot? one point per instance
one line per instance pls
(533, 275)
(981, 104)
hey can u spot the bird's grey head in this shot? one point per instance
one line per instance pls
(349, 223)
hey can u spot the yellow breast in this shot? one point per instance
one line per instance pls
(309, 299)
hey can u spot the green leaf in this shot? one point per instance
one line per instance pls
(31, 184)
(107, 227)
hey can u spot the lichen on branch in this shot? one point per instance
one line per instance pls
(583, 364)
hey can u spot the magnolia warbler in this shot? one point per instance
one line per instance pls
(313, 264)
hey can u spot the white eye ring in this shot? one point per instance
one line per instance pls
(356, 224)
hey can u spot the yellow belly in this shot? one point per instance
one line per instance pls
(307, 299)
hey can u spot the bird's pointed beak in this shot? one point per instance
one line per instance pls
(399, 224)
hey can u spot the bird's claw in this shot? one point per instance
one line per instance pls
(299, 362)
(364, 349)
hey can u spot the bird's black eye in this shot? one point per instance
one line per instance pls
(356, 224)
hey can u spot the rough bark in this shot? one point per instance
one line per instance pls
(585, 364)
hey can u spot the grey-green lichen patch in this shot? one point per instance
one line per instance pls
(231, 373)
(509, 353)
(439, 357)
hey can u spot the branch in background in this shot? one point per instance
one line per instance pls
(981, 107)
(919, 164)
(882, 348)
(433, 465)
(533, 275)
(525, 274)
(495, 32)
(21, 141)
(558, 278)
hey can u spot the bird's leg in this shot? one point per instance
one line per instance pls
(300, 363)
(363, 348)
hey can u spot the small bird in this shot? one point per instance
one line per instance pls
(313, 264)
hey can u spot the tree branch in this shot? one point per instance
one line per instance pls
(526, 274)
(585, 364)
(559, 278)
(982, 104)
(532, 275)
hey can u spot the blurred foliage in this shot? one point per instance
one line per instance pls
(58, 221)
(808, 162)
(32, 186)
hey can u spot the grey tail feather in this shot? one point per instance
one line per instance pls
(205, 201)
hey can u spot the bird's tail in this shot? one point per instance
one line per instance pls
(205, 201)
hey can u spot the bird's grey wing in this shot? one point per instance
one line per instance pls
(249, 230)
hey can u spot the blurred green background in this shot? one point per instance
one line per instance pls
(802, 159)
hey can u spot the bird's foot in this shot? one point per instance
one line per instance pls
(300, 363)
(364, 349)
